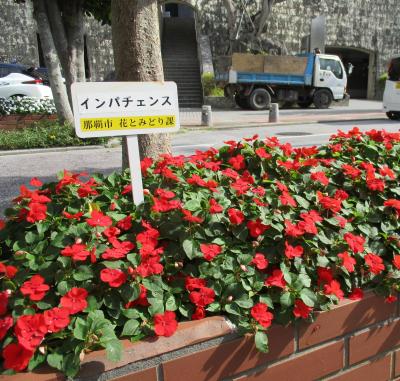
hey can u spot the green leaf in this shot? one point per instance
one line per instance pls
(189, 248)
(287, 299)
(156, 306)
(233, 309)
(171, 304)
(55, 360)
(244, 302)
(261, 340)
(30, 237)
(114, 350)
(302, 201)
(130, 291)
(83, 272)
(192, 205)
(81, 329)
(308, 297)
(130, 327)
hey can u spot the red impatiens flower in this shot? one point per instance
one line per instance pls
(375, 184)
(348, 262)
(276, 279)
(141, 300)
(192, 284)
(3, 302)
(2, 224)
(99, 219)
(76, 216)
(396, 262)
(301, 310)
(391, 299)
(30, 330)
(341, 195)
(199, 313)
(74, 300)
(236, 217)
(202, 297)
(324, 275)
(5, 324)
(256, 228)
(145, 164)
(188, 216)
(165, 324)
(293, 230)
(8, 271)
(293, 251)
(375, 263)
(162, 205)
(114, 277)
(329, 203)
(210, 251)
(125, 223)
(393, 203)
(350, 171)
(260, 313)
(262, 153)
(286, 199)
(215, 207)
(333, 288)
(112, 232)
(56, 319)
(149, 266)
(320, 177)
(35, 182)
(77, 252)
(118, 250)
(356, 294)
(37, 212)
(35, 288)
(16, 357)
(355, 242)
(237, 162)
(260, 261)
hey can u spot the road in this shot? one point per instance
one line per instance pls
(19, 169)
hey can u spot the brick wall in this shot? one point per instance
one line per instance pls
(357, 340)
(12, 122)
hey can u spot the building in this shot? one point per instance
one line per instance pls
(364, 33)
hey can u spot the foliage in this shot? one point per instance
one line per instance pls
(44, 134)
(258, 231)
(209, 85)
(26, 105)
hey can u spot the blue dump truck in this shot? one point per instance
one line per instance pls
(254, 81)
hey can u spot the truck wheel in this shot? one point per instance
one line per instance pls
(242, 102)
(260, 99)
(323, 98)
(305, 104)
(393, 115)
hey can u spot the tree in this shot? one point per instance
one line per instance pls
(137, 57)
(247, 23)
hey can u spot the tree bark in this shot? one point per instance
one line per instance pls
(231, 18)
(137, 57)
(60, 96)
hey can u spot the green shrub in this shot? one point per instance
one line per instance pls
(44, 135)
(209, 86)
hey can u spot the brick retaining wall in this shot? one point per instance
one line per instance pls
(357, 340)
(12, 122)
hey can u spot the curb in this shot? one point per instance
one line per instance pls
(46, 150)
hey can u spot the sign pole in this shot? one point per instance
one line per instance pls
(134, 165)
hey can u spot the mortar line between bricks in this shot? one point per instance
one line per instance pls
(269, 364)
(346, 352)
(352, 333)
(378, 356)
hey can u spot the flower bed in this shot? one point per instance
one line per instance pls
(258, 231)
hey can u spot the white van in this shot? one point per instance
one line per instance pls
(391, 96)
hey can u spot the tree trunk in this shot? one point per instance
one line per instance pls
(60, 96)
(231, 18)
(137, 57)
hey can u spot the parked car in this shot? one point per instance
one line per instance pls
(391, 96)
(20, 80)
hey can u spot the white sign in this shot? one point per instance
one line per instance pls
(126, 109)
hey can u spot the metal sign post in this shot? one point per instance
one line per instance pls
(129, 109)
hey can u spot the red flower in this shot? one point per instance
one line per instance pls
(260, 261)
(76, 216)
(329, 203)
(396, 262)
(287, 199)
(86, 190)
(340, 194)
(215, 207)
(35, 182)
(293, 251)
(16, 357)
(240, 186)
(393, 203)
(333, 288)
(141, 300)
(301, 310)
(256, 228)
(149, 266)
(386, 171)
(2, 224)
(56, 319)
(293, 230)
(3, 302)
(126, 189)
(8, 271)
(112, 232)
(37, 212)
(98, 219)
(236, 217)
(202, 297)
(188, 216)
(74, 300)
(114, 277)
(77, 252)
(262, 153)
(125, 223)
(350, 171)
(261, 314)
(391, 299)
(355, 242)
(324, 275)
(356, 294)
(210, 251)
(163, 205)
(376, 185)
(35, 288)
(145, 164)
(199, 313)
(237, 162)
(276, 279)
(192, 284)
(5, 324)
(165, 324)
(348, 262)
(30, 330)
(320, 177)
(375, 263)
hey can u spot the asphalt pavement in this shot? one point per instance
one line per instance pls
(17, 169)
